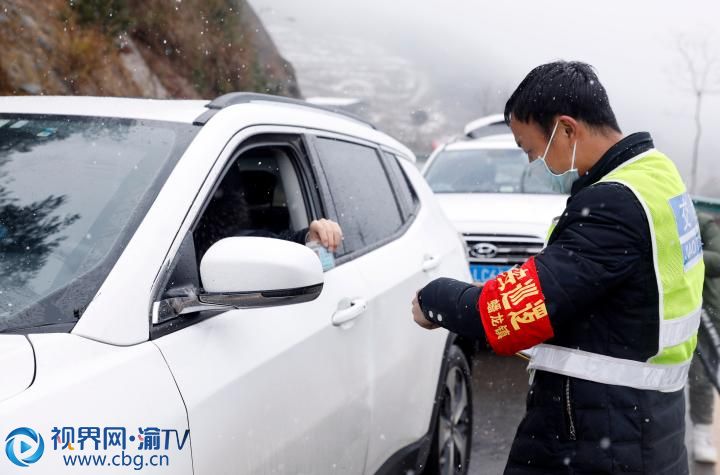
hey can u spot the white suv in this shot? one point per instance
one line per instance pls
(484, 187)
(142, 328)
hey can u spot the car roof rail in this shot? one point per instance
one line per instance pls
(234, 98)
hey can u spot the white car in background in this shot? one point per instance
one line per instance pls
(141, 329)
(483, 186)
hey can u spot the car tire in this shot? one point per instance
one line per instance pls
(452, 438)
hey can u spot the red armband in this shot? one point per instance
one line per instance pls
(512, 310)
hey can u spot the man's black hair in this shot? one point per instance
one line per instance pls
(561, 88)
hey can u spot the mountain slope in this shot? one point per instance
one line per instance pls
(146, 48)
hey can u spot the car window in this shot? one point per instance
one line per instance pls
(72, 192)
(256, 197)
(493, 170)
(365, 203)
(407, 198)
(260, 194)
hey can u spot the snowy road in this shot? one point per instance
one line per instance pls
(499, 387)
(499, 390)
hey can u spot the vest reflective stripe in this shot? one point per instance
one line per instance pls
(608, 370)
(679, 270)
(678, 330)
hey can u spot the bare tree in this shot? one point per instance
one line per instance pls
(701, 68)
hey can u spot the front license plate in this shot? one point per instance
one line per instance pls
(482, 272)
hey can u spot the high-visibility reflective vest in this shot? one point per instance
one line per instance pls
(679, 269)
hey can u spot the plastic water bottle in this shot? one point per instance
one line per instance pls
(327, 259)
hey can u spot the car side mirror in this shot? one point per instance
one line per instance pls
(244, 272)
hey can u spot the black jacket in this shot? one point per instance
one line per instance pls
(601, 294)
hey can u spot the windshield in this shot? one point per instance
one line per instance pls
(72, 192)
(501, 170)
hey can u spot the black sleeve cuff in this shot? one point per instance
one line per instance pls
(453, 305)
(285, 235)
(294, 236)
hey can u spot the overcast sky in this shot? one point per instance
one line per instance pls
(464, 46)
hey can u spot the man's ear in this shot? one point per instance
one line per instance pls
(568, 126)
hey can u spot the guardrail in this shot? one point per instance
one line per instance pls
(707, 205)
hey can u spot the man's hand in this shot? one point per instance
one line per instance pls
(419, 316)
(327, 232)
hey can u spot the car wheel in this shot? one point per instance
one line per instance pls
(450, 451)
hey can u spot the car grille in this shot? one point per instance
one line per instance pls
(501, 249)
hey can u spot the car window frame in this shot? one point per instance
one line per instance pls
(402, 180)
(326, 195)
(242, 142)
(313, 207)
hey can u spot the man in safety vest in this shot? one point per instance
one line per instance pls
(610, 308)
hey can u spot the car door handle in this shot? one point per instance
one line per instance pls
(357, 307)
(430, 263)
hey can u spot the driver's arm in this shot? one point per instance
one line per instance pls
(324, 231)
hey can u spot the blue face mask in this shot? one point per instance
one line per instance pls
(560, 183)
